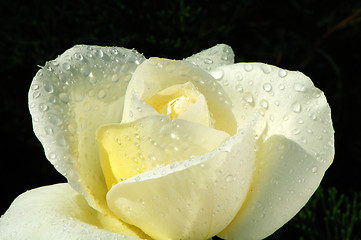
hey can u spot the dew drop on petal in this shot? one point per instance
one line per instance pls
(64, 98)
(66, 66)
(239, 76)
(43, 107)
(217, 74)
(282, 73)
(248, 97)
(296, 107)
(101, 94)
(99, 53)
(208, 61)
(266, 68)
(264, 103)
(299, 87)
(229, 178)
(267, 87)
(248, 67)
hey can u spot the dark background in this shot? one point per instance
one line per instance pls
(320, 38)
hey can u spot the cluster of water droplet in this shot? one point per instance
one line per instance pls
(287, 101)
(211, 58)
(74, 94)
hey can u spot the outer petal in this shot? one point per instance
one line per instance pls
(216, 56)
(58, 212)
(192, 199)
(289, 168)
(68, 99)
(288, 104)
(156, 74)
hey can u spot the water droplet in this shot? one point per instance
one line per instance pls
(48, 87)
(35, 86)
(66, 66)
(239, 88)
(267, 87)
(299, 87)
(239, 76)
(296, 131)
(281, 86)
(296, 107)
(282, 73)
(99, 53)
(43, 107)
(266, 68)
(49, 130)
(248, 97)
(217, 74)
(115, 78)
(208, 61)
(78, 56)
(52, 155)
(102, 93)
(248, 67)
(64, 98)
(229, 178)
(314, 117)
(314, 169)
(264, 103)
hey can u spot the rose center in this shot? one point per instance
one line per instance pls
(174, 100)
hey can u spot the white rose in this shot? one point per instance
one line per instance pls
(164, 149)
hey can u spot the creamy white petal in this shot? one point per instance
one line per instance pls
(216, 56)
(200, 110)
(192, 199)
(156, 74)
(58, 212)
(69, 98)
(285, 178)
(290, 106)
(154, 141)
(287, 102)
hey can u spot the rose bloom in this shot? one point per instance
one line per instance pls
(165, 149)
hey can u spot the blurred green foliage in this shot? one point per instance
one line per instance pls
(320, 38)
(329, 215)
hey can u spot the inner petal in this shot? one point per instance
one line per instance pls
(152, 142)
(156, 79)
(175, 99)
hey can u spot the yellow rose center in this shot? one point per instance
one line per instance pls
(174, 100)
(125, 152)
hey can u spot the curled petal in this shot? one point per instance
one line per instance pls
(287, 102)
(295, 143)
(154, 141)
(191, 199)
(157, 74)
(58, 212)
(69, 99)
(214, 57)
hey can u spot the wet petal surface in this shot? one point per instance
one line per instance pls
(70, 97)
(58, 212)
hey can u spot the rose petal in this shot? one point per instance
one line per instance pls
(199, 109)
(156, 74)
(154, 141)
(289, 105)
(68, 99)
(59, 212)
(216, 56)
(192, 199)
(285, 178)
